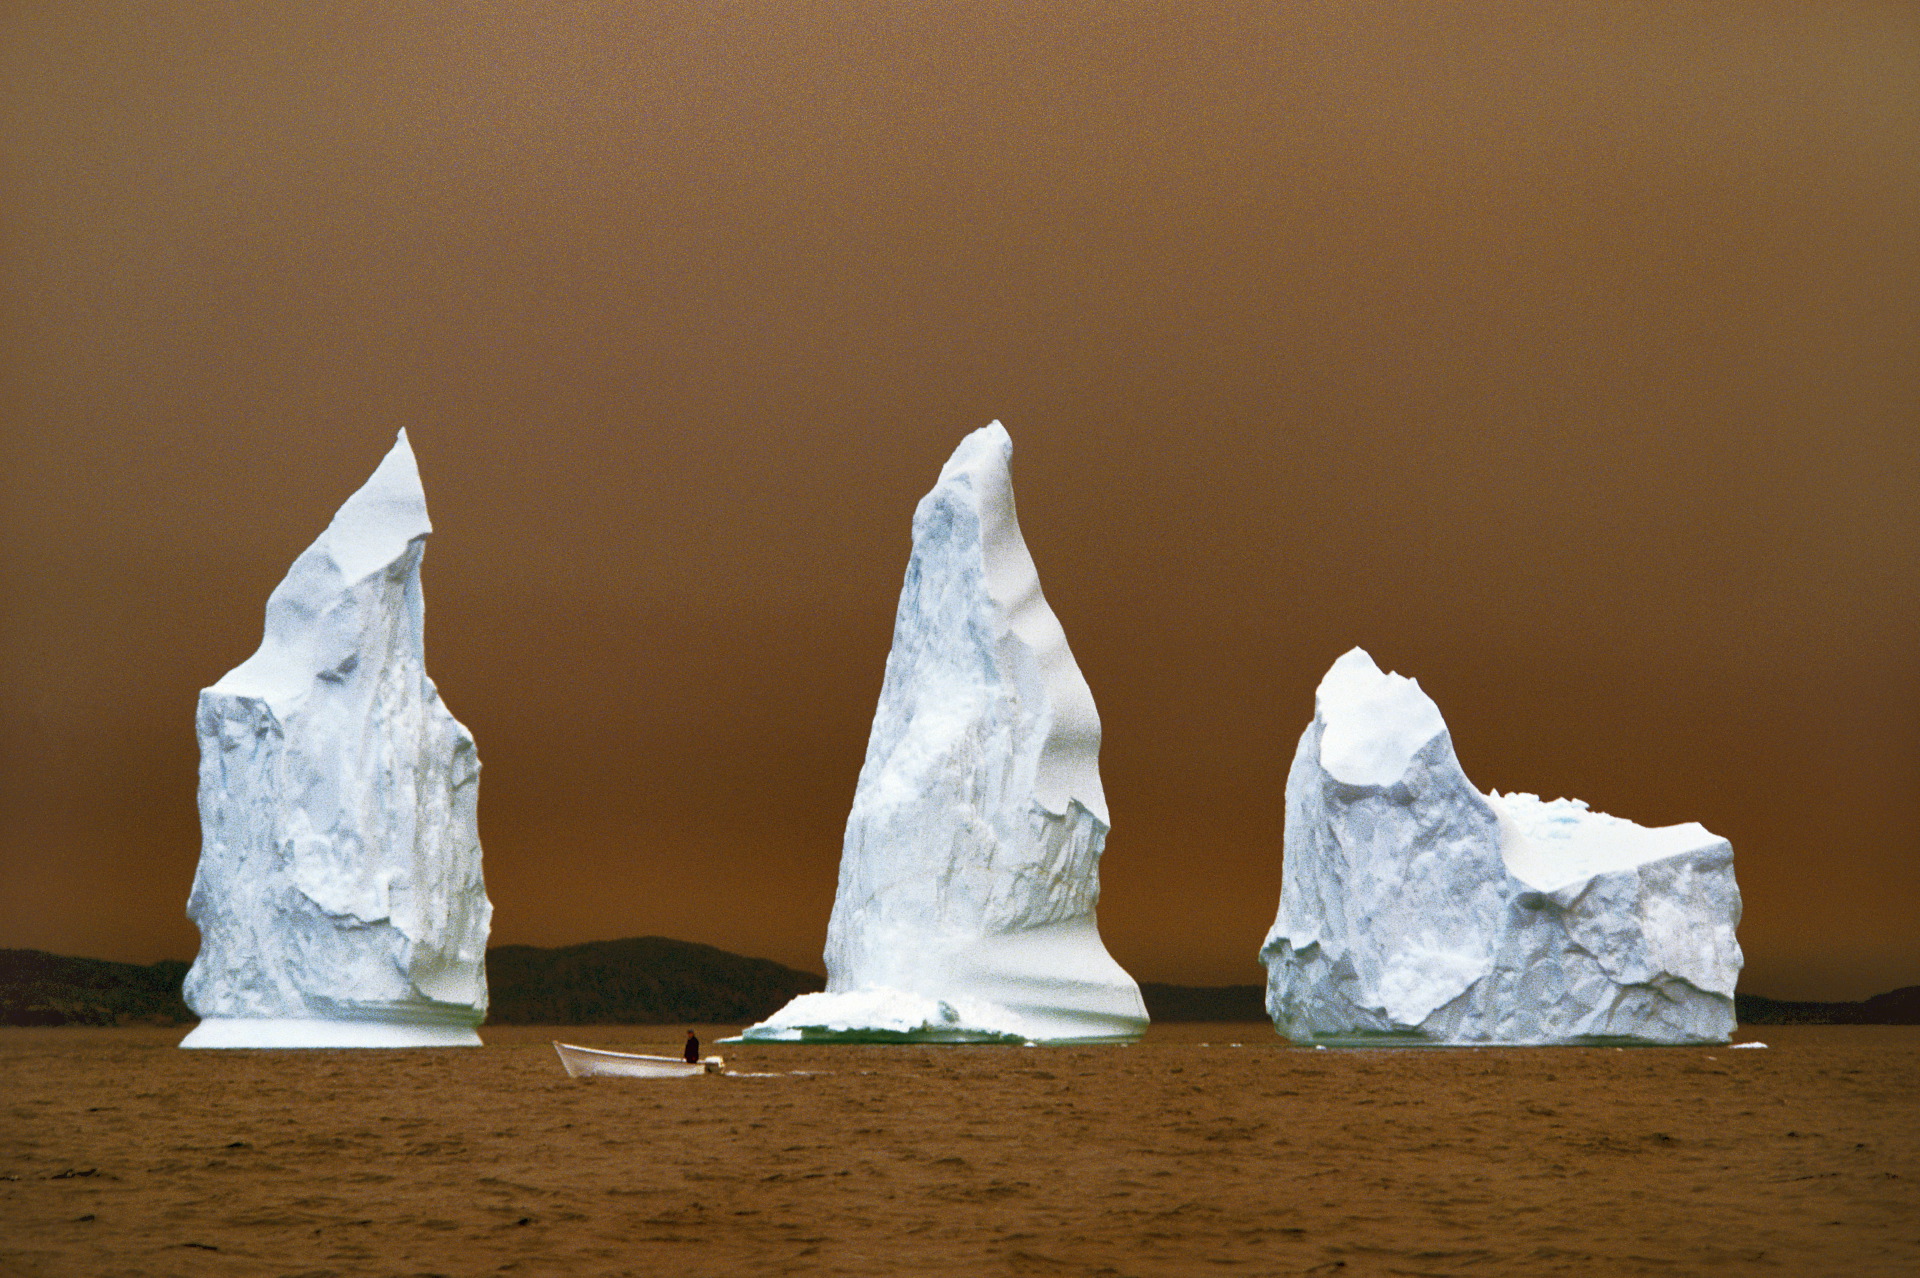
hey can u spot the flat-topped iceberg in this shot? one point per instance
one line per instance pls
(1415, 909)
(339, 895)
(970, 871)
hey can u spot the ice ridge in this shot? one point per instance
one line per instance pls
(969, 874)
(1413, 908)
(339, 893)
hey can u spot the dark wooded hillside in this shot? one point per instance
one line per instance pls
(656, 980)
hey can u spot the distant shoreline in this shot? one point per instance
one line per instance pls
(652, 980)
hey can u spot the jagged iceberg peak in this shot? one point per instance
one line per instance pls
(970, 871)
(1374, 723)
(313, 619)
(379, 523)
(1415, 908)
(979, 479)
(339, 894)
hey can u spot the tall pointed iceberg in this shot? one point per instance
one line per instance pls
(1415, 909)
(339, 895)
(970, 871)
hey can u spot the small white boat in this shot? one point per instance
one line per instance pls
(593, 1062)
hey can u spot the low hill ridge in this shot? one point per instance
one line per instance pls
(37, 988)
(655, 980)
(642, 980)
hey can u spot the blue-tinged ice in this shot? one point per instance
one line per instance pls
(1415, 909)
(970, 871)
(339, 894)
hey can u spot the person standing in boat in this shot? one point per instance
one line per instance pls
(693, 1048)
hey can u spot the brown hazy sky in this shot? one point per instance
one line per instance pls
(1565, 357)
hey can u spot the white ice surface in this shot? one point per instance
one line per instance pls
(1562, 841)
(339, 893)
(970, 870)
(1374, 723)
(1414, 908)
(881, 1015)
(293, 1032)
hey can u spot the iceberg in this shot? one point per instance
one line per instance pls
(970, 869)
(1415, 909)
(339, 895)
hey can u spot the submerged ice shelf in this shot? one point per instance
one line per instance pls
(1413, 908)
(339, 893)
(970, 871)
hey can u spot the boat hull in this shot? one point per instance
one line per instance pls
(594, 1062)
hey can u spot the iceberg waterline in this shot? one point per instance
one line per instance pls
(1414, 908)
(969, 875)
(339, 893)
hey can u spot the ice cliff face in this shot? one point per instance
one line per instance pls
(339, 895)
(1415, 908)
(970, 871)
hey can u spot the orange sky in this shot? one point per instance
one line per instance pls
(1566, 357)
